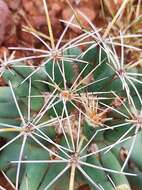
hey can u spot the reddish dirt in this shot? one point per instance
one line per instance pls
(4, 183)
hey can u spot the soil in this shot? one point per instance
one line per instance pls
(4, 184)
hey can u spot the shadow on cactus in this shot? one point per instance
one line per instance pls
(75, 118)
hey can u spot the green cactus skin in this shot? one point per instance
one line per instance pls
(65, 122)
(110, 161)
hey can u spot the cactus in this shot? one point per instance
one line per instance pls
(73, 120)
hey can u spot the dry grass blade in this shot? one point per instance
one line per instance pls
(119, 12)
(49, 24)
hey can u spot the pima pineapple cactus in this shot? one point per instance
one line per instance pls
(75, 119)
